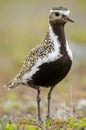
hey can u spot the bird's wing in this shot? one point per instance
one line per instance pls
(38, 52)
(29, 62)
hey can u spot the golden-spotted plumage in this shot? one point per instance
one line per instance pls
(40, 51)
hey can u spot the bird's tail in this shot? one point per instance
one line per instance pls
(12, 84)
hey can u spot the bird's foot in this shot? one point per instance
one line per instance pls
(40, 121)
(48, 117)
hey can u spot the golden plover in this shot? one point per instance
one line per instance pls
(48, 63)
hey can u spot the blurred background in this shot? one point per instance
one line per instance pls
(23, 25)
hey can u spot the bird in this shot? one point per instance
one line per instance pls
(49, 62)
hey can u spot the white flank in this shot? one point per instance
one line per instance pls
(54, 55)
(61, 12)
(69, 51)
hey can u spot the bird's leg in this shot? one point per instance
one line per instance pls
(38, 104)
(49, 97)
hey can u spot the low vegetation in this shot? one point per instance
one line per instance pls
(50, 124)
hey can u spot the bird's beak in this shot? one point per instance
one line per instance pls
(69, 20)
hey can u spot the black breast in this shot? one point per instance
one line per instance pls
(51, 73)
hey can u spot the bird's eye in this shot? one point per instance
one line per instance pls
(57, 14)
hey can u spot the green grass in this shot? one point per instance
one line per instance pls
(50, 124)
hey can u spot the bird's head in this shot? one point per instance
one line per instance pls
(59, 15)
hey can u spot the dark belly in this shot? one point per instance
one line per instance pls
(51, 73)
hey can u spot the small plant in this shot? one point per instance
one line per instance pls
(3, 122)
(11, 127)
(79, 125)
(48, 123)
(31, 127)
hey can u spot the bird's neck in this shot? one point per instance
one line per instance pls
(57, 36)
(58, 30)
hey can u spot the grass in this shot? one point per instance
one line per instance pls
(55, 124)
